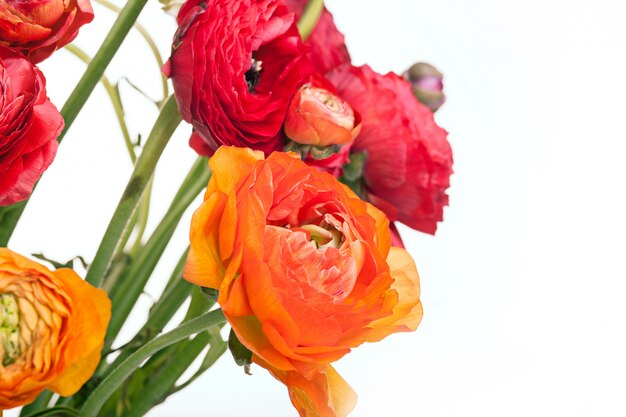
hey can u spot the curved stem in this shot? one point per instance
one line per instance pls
(142, 224)
(161, 312)
(125, 296)
(165, 125)
(151, 43)
(112, 382)
(113, 96)
(11, 215)
(309, 18)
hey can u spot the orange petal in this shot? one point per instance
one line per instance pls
(326, 394)
(204, 263)
(408, 312)
(89, 321)
(231, 164)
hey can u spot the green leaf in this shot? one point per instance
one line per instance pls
(354, 170)
(59, 411)
(210, 293)
(241, 354)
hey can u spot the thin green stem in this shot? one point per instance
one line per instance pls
(161, 312)
(309, 18)
(39, 404)
(112, 382)
(142, 223)
(165, 376)
(151, 43)
(125, 296)
(114, 96)
(11, 215)
(217, 349)
(166, 124)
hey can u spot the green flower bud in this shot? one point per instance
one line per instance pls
(427, 84)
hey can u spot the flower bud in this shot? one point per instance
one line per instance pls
(427, 84)
(320, 118)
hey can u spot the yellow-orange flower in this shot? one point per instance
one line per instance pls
(52, 327)
(304, 270)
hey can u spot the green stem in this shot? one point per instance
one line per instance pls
(112, 382)
(124, 297)
(115, 100)
(143, 214)
(39, 404)
(217, 349)
(151, 43)
(309, 18)
(171, 300)
(11, 215)
(165, 125)
(161, 313)
(164, 378)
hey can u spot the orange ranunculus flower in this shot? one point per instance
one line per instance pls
(52, 327)
(37, 28)
(304, 269)
(318, 117)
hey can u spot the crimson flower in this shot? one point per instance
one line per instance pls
(408, 157)
(235, 65)
(327, 43)
(29, 126)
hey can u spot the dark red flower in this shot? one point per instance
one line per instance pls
(328, 46)
(235, 65)
(37, 28)
(409, 159)
(29, 126)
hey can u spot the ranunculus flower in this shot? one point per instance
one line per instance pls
(235, 66)
(304, 270)
(327, 43)
(318, 117)
(29, 126)
(409, 159)
(37, 28)
(52, 327)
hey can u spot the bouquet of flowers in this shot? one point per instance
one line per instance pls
(306, 162)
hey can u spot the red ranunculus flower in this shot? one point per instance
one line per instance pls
(328, 46)
(38, 28)
(409, 160)
(235, 65)
(29, 126)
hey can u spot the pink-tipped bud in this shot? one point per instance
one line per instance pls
(319, 118)
(427, 84)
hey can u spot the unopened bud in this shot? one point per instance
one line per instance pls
(319, 118)
(427, 84)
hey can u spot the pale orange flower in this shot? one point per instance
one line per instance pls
(304, 269)
(52, 328)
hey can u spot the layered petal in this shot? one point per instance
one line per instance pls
(409, 159)
(235, 66)
(29, 127)
(304, 270)
(40, 27)
(52, 332)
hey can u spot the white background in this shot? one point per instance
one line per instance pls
(523, 286)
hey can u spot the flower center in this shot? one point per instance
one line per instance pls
(324, 236)
(253, 75)
(9, 329)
